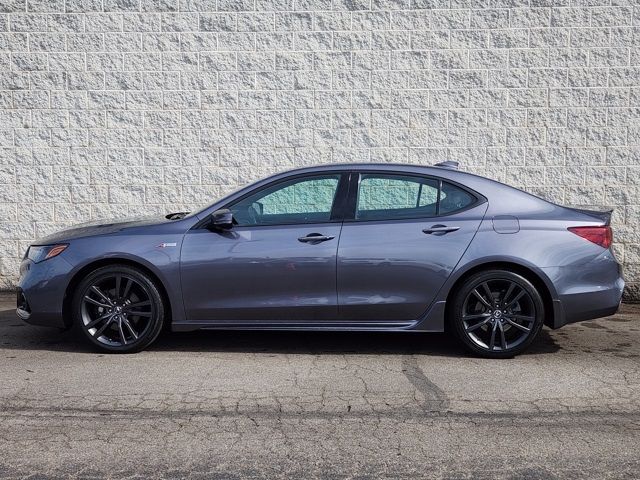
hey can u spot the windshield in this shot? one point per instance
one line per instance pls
(221, 198)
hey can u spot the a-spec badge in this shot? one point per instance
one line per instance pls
(165, 245)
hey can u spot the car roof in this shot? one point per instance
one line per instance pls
(439, 171)
(367, 166)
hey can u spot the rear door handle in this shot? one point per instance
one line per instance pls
(439, 230)
(315, 238)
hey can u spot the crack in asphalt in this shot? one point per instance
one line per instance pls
(79, 413)
(435, 399)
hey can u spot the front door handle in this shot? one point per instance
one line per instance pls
(439, 230)
(315, 238)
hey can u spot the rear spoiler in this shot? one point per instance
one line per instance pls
(600, 215)
(448, 164)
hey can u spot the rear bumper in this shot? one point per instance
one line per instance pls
(41, 292)
(578, 307)
(590, 291)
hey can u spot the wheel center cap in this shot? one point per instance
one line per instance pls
(497, 313)
(118, 309)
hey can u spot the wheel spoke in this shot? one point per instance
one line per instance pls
(130, 328)
(93, 323)
(476, 316)
(122, 336)
(481, 298)
(487, 291)
(503, 341)
(508, 293)
(516, 298)
(118, 282)
(87, 298)
(101, 330)
(138, 314)
(526, 318)
(517, 325)
(127, 287)
(477, 325)
(102, 295)
(492, 342)
(137, 304)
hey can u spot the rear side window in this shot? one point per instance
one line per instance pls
(384, 197)
(453, 198)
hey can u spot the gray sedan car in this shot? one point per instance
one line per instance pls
(361, 247)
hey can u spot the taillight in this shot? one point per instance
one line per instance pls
(602, 236)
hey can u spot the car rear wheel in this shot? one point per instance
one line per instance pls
(497, 313)
(119, 309)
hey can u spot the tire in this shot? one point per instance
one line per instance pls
(118, 309)
(501, 325)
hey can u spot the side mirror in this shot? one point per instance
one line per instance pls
(222, 219)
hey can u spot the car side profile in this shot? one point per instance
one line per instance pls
(360, 247)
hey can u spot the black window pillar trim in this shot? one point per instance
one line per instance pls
(339, 207)
(352, 196)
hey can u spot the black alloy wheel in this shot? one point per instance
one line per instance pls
(119, 309)
(497, 313)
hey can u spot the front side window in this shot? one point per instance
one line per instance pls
(386, 197)
(302, 200)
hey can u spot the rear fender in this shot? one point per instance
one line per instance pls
(435, 318)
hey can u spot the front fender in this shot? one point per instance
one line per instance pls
(158, 254)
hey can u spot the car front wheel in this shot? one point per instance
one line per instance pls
(497, 313)
(118, 308)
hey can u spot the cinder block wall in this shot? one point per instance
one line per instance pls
(112, 108)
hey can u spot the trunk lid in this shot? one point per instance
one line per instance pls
(602, 215)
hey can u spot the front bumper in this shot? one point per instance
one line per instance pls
(41, 291)
(23, 310)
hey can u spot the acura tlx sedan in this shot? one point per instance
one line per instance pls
(361, 247)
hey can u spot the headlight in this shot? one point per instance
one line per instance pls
(39, 253)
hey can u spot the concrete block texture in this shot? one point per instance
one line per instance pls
(116, 108)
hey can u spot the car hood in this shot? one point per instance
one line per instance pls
(101, 227)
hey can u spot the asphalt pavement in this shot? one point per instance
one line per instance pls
(320, 405)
